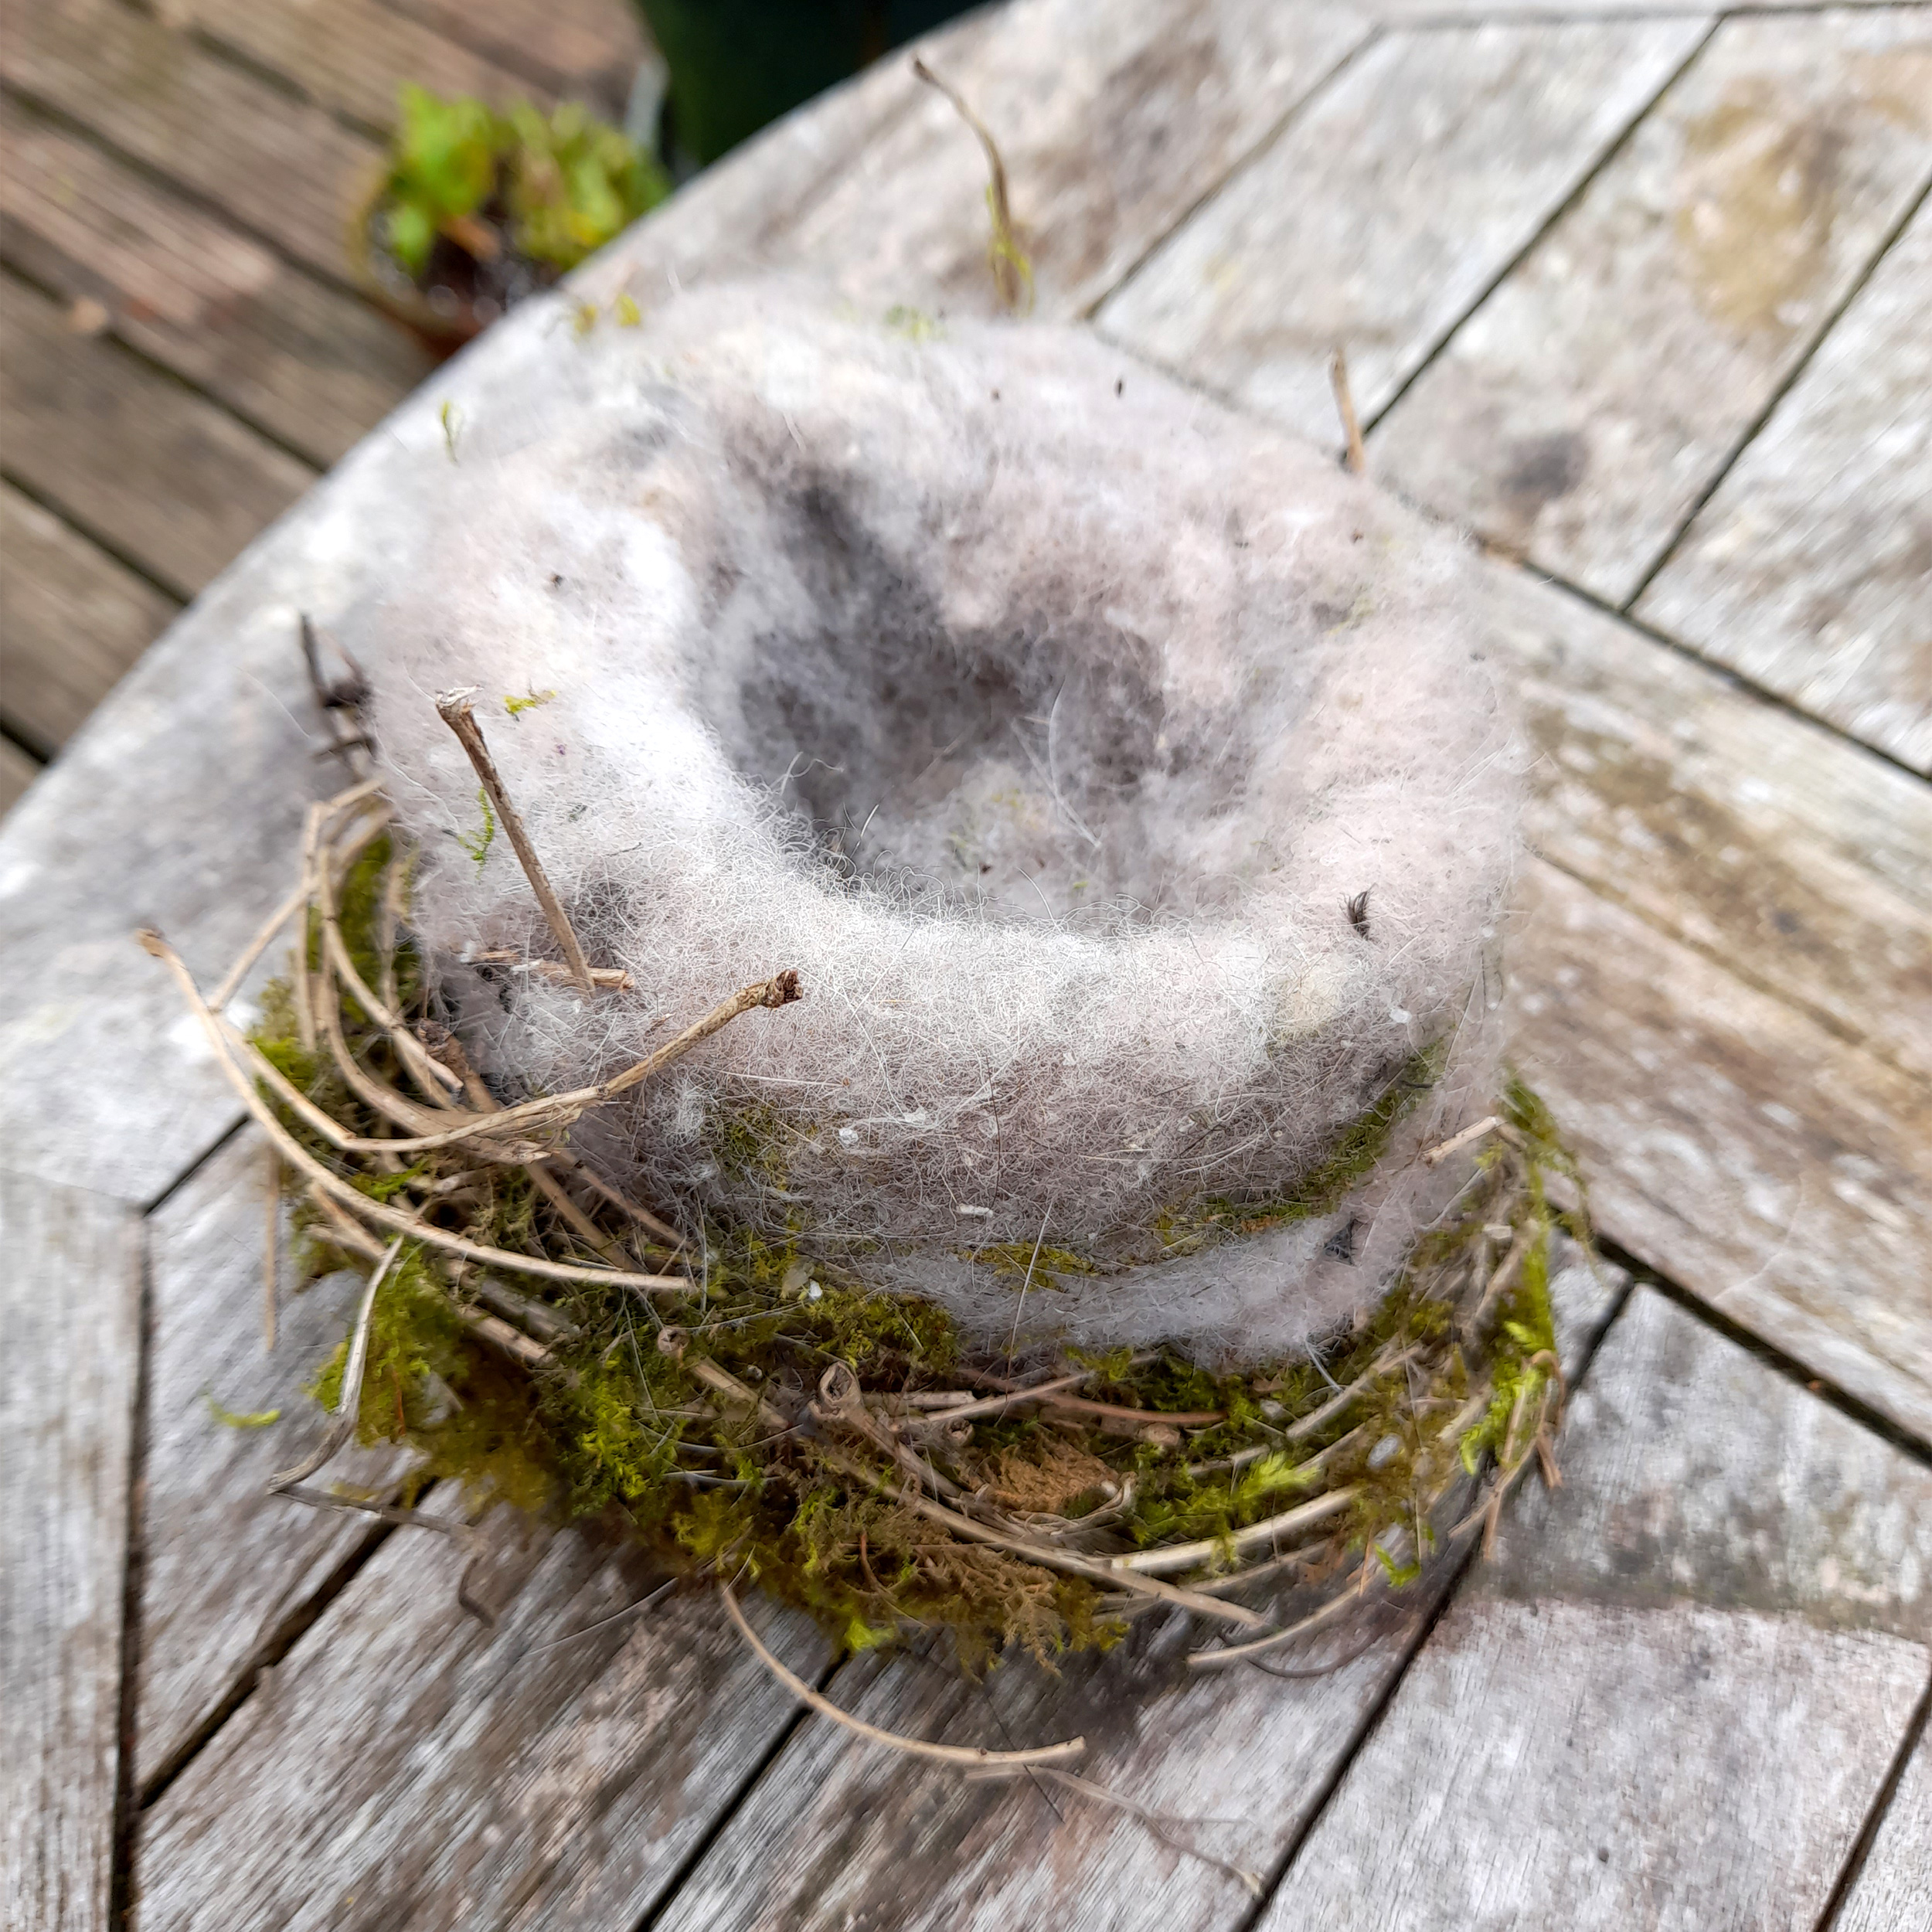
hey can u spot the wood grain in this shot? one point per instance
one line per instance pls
(1792, 860)
(1390, 203)
(226, 1569)
(1737, 1146)
(1112, 123)
(287, 172)
(352, 56)
(70, 1298)
(588, 50)
(71, 619)
(17, 772)
(839, 1834)
(1892, 1893)
(451, 1775)
(1674, 1696)
(1578, 416)
(1810, 570)
(313, 366)
(158, 474)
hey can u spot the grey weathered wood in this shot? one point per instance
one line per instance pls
(1781, 1175)
(1113, 122)
(1387, 207)
(352, 55)
(311, 365)
(1892, 1891)
(1673, 1696)
(1799, 863)
(841, 1834)
(1580, 413)
(406, 1768)
(70, 1303)
(17, 772)
(71, 619)
(161, 475)
(287, 171)
(226, 1569)
(1810, 570)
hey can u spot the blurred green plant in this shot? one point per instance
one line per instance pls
(550, 189)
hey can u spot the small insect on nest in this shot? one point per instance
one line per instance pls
(539, 1337)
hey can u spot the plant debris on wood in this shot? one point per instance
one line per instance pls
(479, 208)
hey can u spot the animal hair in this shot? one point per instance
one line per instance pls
(1057, 732)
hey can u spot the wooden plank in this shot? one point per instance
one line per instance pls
(17, 772)
(1112, 122)
(1792, 860)
(350, 56)
(71, 619)
(1732, 1143)
(313, 366)
(158, 474)
(588, 50)
(1810, 570)
(286, 171)
(1676, 1693)
(406, 1768)
(1892, 1891)
(1390, 203)
(838, 1834)
(70, 1301)
(1579, 414)
(226, 1570)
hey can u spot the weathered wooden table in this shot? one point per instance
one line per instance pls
(1643, 297)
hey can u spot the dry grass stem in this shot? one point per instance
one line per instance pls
(1345, 403)
(453, 707)
(967, 1755)
(1012, 273)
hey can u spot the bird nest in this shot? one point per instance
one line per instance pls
(753, 1416)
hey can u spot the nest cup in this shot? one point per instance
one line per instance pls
(1128, 786)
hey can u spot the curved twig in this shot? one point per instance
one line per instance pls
(963, 1754)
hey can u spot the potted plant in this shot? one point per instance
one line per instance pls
(477, 208)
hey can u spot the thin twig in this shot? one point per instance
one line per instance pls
(1048, 1557)
(1344, 402)
(368, 1209)
(969, 1755)
(1343, 1600)
(453, 707)
(1173, 1556)
(1443, 1149)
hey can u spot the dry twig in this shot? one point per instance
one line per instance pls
(968, 1755)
